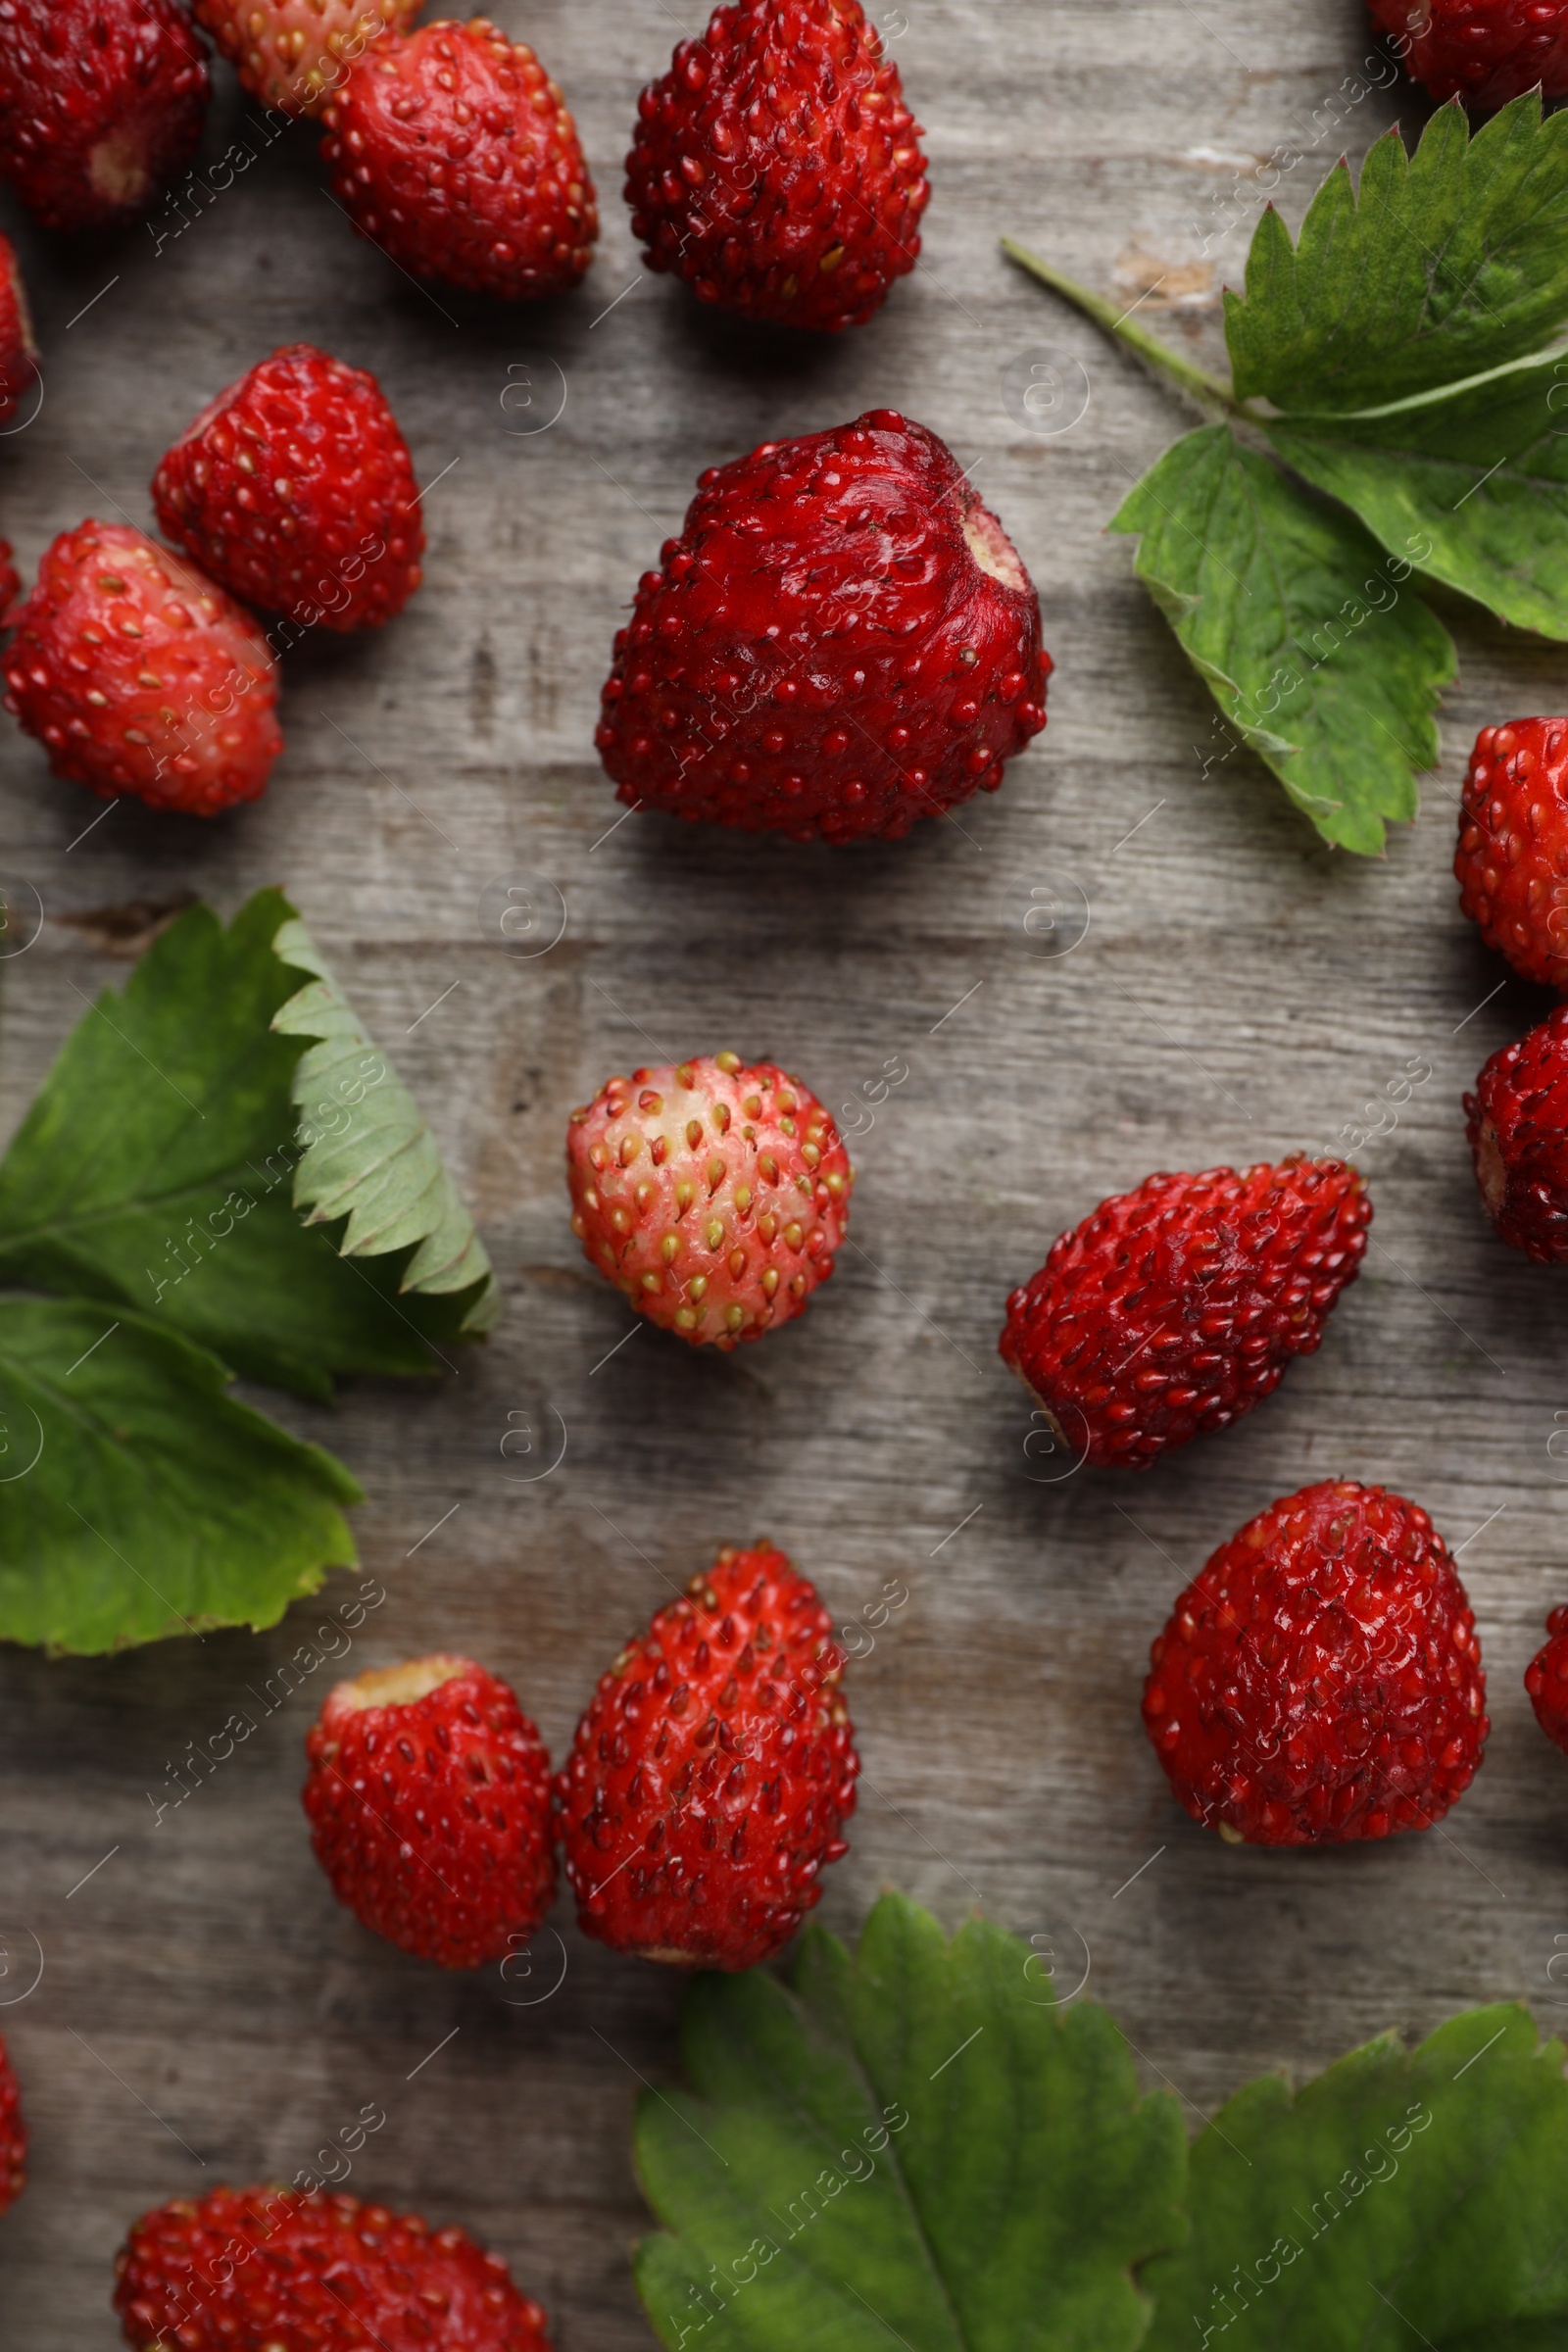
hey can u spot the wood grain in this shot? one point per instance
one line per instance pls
(205, 2011)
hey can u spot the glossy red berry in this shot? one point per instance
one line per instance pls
(1321, 1679)
(1483, 51)
(13, 2136)
(1512, 854)
(776, 168)
(138, 674)
(1546, 1681)
(1517, 1121)
(454, 151)
(1176, 1308)
(295, 489)
(100, 106)
(271, 2270)
(712, 1772)
(841, 641)
(428, 1799)
(19, 353)
(713, 1192)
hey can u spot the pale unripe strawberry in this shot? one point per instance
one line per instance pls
(293, 54)
(713, 1192)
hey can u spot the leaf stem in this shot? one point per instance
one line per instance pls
(1197, 383)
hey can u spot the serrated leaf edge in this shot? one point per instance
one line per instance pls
(450, 1255)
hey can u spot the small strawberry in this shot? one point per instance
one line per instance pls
(1483, 51)
(137, 674)
(293, 54)
(842, 640)
(19, 353)
(777, 167)
(1546, 1681)
(271, 2270)
(1512, 858)
(428, 1799)
(711, 1775)
(714, 1193)
(1518, 1126)
(13, 2136)
(454, 151)
(10, 586)
(1321, 1679)
(100, 106)
(295, 489)
(1175, 1308)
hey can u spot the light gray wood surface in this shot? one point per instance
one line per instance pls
(206, 2012)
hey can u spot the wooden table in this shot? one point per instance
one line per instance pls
(206, 2012)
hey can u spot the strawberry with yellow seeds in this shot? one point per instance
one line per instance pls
(713, 1192)
(293, 54)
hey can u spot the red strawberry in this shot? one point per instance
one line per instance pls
(1546, 1681)
(19, 353)
(269, 2270)
(1512, 858)
(294, 53)
(137, 674)
(100, 106)
(455, 153)
(1175, 1308)
(1321, 1679)
(714, 1193)
(428, 1798)
(1518, 1126)
(711, 1775)
(295, 489)
(777, 169)
(10, 585)
(1483, 51)
(13, 2136)
(842, 640)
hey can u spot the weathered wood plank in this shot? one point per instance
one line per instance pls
(1239, 991)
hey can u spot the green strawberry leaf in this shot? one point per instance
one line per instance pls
(1316, 654)
(1403, 2198)
(137, 1500)
(915, 2145)
(154, 1172)
(1472, 484)
(1443, 265)
(369, 1154)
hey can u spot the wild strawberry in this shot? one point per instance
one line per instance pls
(455, 153)
(13, 2136)
(711, 1775)
(293, 54)
(1546, 1681)
(842, 640)
(777, 167)
(138, 674)
(713, 1193)
(295, 489)
(428, 1799)
(19, 353)
(271, 2270)
(1175, 1308)
(100, 106)
(1512, 858)
(1321, 1679)
(1483, 51)
(1518, 1126)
